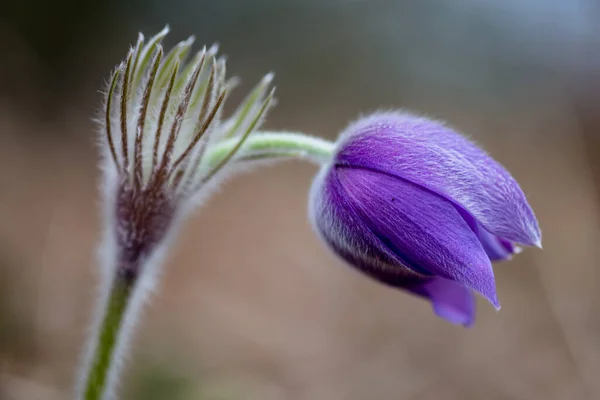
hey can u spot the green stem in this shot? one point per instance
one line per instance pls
(273, 145)
(116, 306)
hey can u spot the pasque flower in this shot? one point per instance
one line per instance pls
(405, 199)
(417, 206)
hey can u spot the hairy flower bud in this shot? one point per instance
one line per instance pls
(415, 205)
(161, 116)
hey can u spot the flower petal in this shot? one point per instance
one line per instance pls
(497, 249)
(433, 156)
(333, 217)
(451, 301)
(421, 228)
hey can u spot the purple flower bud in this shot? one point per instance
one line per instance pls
(417, 206)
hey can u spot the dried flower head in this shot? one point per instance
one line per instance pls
(161, 114)
(417, 206)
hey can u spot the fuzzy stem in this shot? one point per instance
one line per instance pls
(116, 306)
(274, 145)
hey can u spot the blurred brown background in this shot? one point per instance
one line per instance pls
(252, 306)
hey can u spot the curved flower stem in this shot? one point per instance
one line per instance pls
(274, 145)
(103, 356)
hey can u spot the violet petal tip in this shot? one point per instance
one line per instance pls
(453, 316)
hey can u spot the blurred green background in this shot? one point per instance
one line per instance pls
(252, 306)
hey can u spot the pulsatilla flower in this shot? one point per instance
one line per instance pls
(161, 115)
(415, 205)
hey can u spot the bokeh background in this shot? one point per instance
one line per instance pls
(252, 305)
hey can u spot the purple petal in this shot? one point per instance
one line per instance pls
(335, 220)
(425, 230)
(451, 301)
(397, 232)
(433, 156)
(496, 248)
(332, 214)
